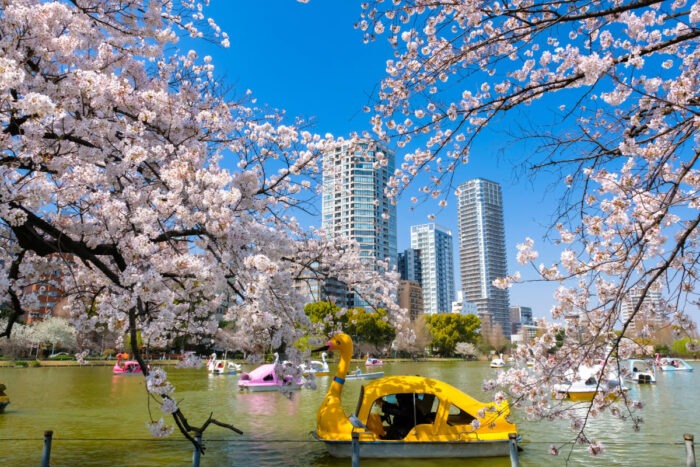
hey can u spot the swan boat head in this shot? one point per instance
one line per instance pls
(331, 419)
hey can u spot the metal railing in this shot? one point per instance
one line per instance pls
(688, 441)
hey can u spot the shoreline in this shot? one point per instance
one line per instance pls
(32, 363)
(72, 363)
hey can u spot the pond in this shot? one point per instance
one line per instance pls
(100, 419)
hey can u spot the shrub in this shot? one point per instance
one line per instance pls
(62, 357)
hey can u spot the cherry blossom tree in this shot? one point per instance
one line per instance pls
(57, 332)
(157, 195)
(612, 94)
(24, 340)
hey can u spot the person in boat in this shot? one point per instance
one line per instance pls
(401, 416)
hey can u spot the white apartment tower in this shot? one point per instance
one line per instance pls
(482, 250)
(354, 205)
(437, 266)
(649, 315)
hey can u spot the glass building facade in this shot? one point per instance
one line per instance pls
(355, 176)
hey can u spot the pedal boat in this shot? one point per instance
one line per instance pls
(359, 374)
(222, 367)
(641, 372)
(126, 367)
(498, 362)
(317, 368)
(371, 361)
(672, 364)
(443, 421)
(269, 377)
(588, 384)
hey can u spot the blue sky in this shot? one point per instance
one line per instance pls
(309, 60)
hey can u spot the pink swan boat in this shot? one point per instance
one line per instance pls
(126, 367)
(373, 361)
(267, 378)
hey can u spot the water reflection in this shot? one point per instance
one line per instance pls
(221, 382)
(270, 404)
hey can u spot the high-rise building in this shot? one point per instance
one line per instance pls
(649, 315)
(410, 295)
(463, 307)
(482, 250)
(519, 317)
(326, 290)
(355, 205)
(410, 267)
(437, 266)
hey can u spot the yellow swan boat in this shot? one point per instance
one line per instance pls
(410, 416)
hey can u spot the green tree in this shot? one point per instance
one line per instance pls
(370, 327)
(127, 341)
(559, 337)
(680, 347)
(325, 315)
(447, 329)
(662, 349)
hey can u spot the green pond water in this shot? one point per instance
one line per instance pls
(99, 419)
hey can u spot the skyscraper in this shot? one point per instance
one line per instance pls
(410, 266)
(649, 315)
(437, 266)
(520, 316)
(482, 250)
(355, 175)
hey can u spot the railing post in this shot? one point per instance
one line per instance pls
(513, 442)
(197, 453)
(355, 449)
(46, 455)
(689, 450)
